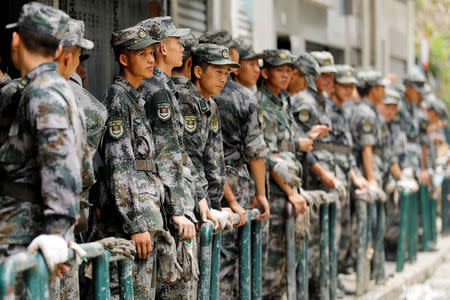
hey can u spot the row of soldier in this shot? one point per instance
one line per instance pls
(193, 130)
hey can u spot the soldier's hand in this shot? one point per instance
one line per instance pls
(236, 208)
(143, 244)
(61, 267)
(299, 203)
(306, 144)
(261, 200)
(328, 179)
(206, 214)
(186, 227)
(424, 177)
(360, 183)
(318, 131)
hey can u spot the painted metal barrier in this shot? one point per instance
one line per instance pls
(36, 278)
(445, 206)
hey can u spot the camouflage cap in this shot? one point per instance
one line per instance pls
(41, 19)
(438, 106)
(188, 41)
(345, 74)
(131, 38)
(325, 60)
(277, 57)
(391, 96)
(212, 54)
(222, 38)
(415, 80)
(369, 78)
(162, 27)
(246, 51)
(309, 67)
(74, 35)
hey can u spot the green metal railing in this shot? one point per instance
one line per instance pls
(445, 206)
(36, 278)
(249, 252)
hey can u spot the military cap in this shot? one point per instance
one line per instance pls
(309, 67)
(325, 60)
(131, 38)
(415, 80)
(162, 27)
(222, 38)
(188, 41)
(41, 19)
(391, 96)
(438, 106)
(345, 74)
(369, 78)
(74, 35)
(246, 51)
(277, 57)
(212, 54)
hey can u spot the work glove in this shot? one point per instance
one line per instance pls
(187, 259)
(342, 190)
(364, 195)
(168, 267)
(54, 249)
(289, 172)
(302, 223)
(225, 218)
(378, 193)
(120, 246)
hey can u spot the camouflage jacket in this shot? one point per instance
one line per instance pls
(241, 119)
(398, 139)
(163, 113)
(133, 195)
(365, 126)
(203, 141)
(179, 81)
(409, 121)
(9, 101)
(44, 152)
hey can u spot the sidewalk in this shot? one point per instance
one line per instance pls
(428, 264)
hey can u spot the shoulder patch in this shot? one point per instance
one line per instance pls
(215, 124)
(116, 128)
(260, 116)
(396, 118)
(164, 111)
(367, 127)
(303, 115)
(383, 132)
(190, 123)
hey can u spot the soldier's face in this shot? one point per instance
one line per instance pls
(344, 91)
(173, 50)
(249, 72)
(74, 61)
(412, 95)
(325, 83)
(378, 93)
(140, 63)
(279, 77)
(212, 79)
(388, 111)
(298, 82)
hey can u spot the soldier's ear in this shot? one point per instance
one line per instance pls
(58, 52)
(123, 59)
(15, 40)
(189, 62)
(265, 73)
(198, 72)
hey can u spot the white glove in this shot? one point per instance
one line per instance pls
(53, 247)
(378, 193)
(342, 190)
(289, 172)
(225, 219)
(408, 184)
(364, 195)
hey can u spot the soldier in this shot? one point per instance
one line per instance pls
(41, 158)
(276, 73)
(135, 190)
(4, 77)
(181, 75)
(347, 170)
(187, 188)
(243, 146)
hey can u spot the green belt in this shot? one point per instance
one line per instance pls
(332, 148)
(145, 165)
(25, 192)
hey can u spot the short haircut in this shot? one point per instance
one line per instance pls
(364, 91)
(36, 43)
(195, 63)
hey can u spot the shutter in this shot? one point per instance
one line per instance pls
(192, 14)
(244, 24)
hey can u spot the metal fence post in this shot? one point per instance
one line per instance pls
(215, 263)
(302, 273)
(424, 205)
(333, 252)
(412, 225)
(290, 252)
(205, 260)
(379, 243)
(361, 207)
(126, 279)
(433, 216)
(256, 260)
(402, 236)
(324, 253)
(445, 204)
(101, 276)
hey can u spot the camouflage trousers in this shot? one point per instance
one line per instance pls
(274, 260)
(242, 187)
(179, 290)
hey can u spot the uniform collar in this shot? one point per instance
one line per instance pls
(45, 67)
(180, 79)
(370, 104)
(128, 87)
(277, 99)
(204, 105)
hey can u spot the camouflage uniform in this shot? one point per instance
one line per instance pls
(4, 80)
(187, 41)
(243, 141)
(135, 191)
(174, 165)
(279, 138)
